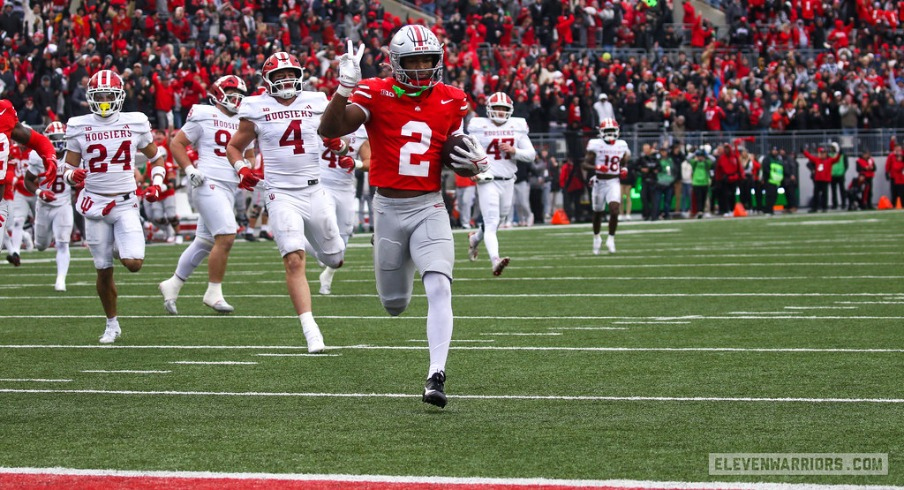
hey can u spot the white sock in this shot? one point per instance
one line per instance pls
(439, 319)
(214, 290)
(329, 272)
(265, 228)
(62, 259)
(307, 321)
(112, 322)
(492, 242)
(612, 236)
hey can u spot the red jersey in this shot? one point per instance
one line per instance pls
(8, 121)
(407, 133)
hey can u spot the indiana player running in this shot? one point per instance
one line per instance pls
(208, 130)
(408, 118)
(53, 210)
(101, 151)
(11, 130)
(337, 174)
(607, 156)
(284, 120)
(506, 141)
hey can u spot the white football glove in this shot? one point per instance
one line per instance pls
(474, 158)
(350, 69)
(194, 176)
(484, 177)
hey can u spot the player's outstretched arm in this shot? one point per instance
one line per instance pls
(42, 146)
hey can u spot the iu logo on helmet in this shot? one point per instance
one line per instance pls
(87, 202)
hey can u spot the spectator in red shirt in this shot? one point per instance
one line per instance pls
(164, 101)
(178, 26)
(894, 170)
(821, 167)
(866, 168)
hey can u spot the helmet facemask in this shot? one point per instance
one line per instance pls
(414, 40)
(288, 87)
(105, 101)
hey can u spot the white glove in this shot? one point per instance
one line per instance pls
(484, 177)
(475, 157)
(194, 176)
(350, 69)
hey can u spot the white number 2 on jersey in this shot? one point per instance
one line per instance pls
(412, 149)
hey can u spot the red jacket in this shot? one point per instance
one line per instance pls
(894, 168)
(866, 167)
(821, 167)
(164, 97)
(576, 182)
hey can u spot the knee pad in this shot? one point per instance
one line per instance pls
(332, 260)
(395, 306)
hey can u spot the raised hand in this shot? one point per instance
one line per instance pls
(347, 162)
(350, 69)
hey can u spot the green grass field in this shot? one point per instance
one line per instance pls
(782, 335)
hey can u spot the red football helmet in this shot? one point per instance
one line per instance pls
(609, 130)
(500, 107)
(108, 85)
(56, 133)
(284, 88)
(229, 100)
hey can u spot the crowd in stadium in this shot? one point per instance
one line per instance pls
(778, 67)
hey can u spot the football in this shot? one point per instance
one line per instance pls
(449, 147)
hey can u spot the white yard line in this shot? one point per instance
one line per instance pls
(36, 380)
(124, 371)
(691, 399)
(216, 363)
(435, 480)
(474, 347)
(516, 295)
(297, 355)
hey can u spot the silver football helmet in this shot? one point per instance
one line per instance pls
(413, 40)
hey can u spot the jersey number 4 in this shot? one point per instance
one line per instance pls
(292, 137)
(123, 156)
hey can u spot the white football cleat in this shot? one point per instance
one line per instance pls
(110, 335)
(472, 246)
(220, 306)
(60, 284)
(597, 243)
(499, 265)
(170, 291)
(315, 339)
(610, 244)
(326, 282)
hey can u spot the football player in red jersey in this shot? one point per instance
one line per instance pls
(12, 130)
(408, 117)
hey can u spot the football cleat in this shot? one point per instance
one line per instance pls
(170, 291)
(60, 284)
(434, 392)
(597, 243)
(314, 339)
(14, 259)
(219, 306)
(250, 237)
(500, 265)
(610, 244)
(111, 333)
(266, 235)
(472, 246)
(326, 282)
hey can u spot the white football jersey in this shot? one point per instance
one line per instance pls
(35, 165)
(287, 137)
(608, 157)
(514, 132)
(209, 131)
(108, 147)
(330, 172)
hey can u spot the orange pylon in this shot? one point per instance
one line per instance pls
(739, 211)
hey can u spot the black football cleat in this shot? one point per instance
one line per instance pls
(250, 237)
(14, 259)
(265, 235)
(433, 390)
